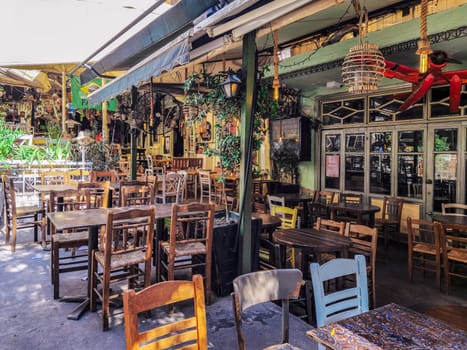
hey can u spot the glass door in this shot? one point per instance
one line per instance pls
(443, 170)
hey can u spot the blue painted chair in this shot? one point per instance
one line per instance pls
(343, 303)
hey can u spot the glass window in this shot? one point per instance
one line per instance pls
(333, 143)
(381, 142)
(445, 180)
(445, 140)
(355, 142)
(344, 112)
(380, 174)
(354, 173)
(410, 176)
(411, 141)
(386, 108)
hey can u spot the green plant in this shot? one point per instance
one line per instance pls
(441, 143)
(8, 136)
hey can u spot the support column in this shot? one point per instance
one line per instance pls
(105, 120)
(246, 138)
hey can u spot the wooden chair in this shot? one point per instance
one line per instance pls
(189, 332)
(454, 246)
(101, 176)
(170, 188)
(99, 193)
(190, 243)
(327, 225)
(76, 176)
(20, 217)
(258, 204)
(332, 226)
(288, 218)
(274, 200)
(390, 220)
(454, 209)
(205, 186)
(117, 195)
(353, 198)
(333, 306)
(53, 178)
(70, 241)
(365, 242)
(182, 186)
(424, 248)
(126, 243)
(320, 207)
(251, 289)
(137, 195)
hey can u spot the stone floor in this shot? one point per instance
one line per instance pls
(32, 319)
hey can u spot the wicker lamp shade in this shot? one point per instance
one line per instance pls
(363, 68)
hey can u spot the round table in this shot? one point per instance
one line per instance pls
(269, 222)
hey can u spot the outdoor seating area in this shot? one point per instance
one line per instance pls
(234, 174)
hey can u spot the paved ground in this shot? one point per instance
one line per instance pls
(31, 319)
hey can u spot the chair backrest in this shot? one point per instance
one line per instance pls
(364, 241)
(325, 197)
(76, 176)
(53, 178)
(275, 200)
(68, 200)
(103, 175)
(421, 231)
(287, 215)
(258, 287)
(456, 209)
(327, 225)
(10, 196)
(172, 186)
(392, 209)
(337, 305)
(352, 198)
(205, 185)
(182, 186)
(190, 330)
(193, 222)
(99, 193)
(136, 195)
(128, 230)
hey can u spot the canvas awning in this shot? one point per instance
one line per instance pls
(162, 60)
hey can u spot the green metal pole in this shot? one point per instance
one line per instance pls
(246, 136)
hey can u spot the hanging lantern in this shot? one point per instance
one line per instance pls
(230, 85)
(363, 66)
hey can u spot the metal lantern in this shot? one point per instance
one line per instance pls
(230, 85)
(363, 66)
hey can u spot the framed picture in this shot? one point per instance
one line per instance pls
(167, 145)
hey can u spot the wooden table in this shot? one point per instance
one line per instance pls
(269, 222)
(451, 219)
(93, 219)
(294, 199)
(54, 187)
(358, 210)
(390, 327)
(313, 243)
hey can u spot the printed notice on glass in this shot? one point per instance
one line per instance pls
(332, 165)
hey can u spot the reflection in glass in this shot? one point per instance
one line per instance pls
(410, 176)
(355, 142)
(381, 142)
(333, 143)
(354, 173)
(411, 141)
(445, 140)
(445, 180)
(380, 174)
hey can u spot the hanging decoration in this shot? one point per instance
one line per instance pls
(363, 66)
(275, 83)
(430, 72)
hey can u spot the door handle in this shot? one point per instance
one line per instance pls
(429, 181)
(429, 213)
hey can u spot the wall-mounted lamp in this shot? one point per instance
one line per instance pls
(231, 85)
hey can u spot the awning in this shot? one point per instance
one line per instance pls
(162, 60)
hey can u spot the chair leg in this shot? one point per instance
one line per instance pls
(158, 264)
(105, 300)
(13, 236)
(208, 280)
(56, 270)
(409, 265)
(36, 219)
(92, 292)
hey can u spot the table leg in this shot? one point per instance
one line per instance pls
(85, 300)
